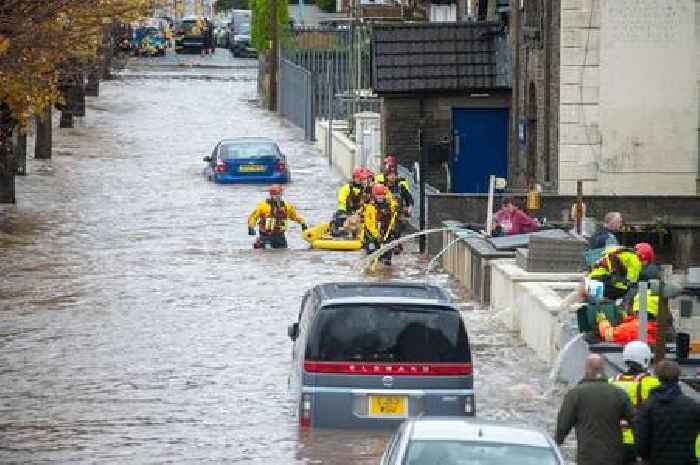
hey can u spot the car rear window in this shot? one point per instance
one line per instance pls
(388, 333)
(247, 150)
(477, 453)
(191, 27)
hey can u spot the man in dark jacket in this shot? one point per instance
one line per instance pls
(668, 422)
(596, 408)
(605, 236)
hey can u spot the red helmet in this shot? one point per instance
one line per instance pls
(645, 252)
(378, 190)
(358, 172)
(275, 189)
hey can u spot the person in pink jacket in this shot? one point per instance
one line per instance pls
(512, 220)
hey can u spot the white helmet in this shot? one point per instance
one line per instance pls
(638, 352)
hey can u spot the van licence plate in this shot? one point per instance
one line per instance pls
(251, 169)
(388, 406)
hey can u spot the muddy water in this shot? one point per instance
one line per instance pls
(137, 324)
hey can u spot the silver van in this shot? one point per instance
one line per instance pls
(373, 354)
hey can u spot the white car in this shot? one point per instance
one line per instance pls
(465, 441)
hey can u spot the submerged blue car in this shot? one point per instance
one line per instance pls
(247, 160)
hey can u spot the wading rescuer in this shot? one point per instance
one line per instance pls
(271, 217)
(624, 274)
(380, 218)
(350, 194)
(637, 383)
(351, 197)
(401, 194)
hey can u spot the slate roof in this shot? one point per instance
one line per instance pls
(433, 57)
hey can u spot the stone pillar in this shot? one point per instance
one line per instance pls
(44, 136)
(682, 245)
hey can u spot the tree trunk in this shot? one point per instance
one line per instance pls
(79, 97)
(107, 52)
(44, 136)
(66, 119)
(7, 162)
(92, 88)
(21, 153)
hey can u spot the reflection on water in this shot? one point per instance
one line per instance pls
(137, 324)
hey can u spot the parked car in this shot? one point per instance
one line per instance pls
(373, 354)
(457, 441)
(247, 160)
(191, 34)
(238, 34)
(150, 41)
(240, 42)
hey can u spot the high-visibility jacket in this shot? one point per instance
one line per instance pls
(652, 304)
(379, 223)
(620, 266)
(272, 216)
(637, 387)
(350, 197)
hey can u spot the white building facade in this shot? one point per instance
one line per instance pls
(629, 97)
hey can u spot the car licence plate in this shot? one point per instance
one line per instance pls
(388, 406)
(251, 169)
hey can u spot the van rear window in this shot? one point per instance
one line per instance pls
(388, 333)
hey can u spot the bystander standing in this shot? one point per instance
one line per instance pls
(595, 408)
(668, 423)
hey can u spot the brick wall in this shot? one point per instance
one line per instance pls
(536, 65)
(402, 116)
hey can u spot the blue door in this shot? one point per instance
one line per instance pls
(480, 148)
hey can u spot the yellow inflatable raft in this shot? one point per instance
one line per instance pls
(319, 237)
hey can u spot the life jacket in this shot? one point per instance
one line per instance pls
(637, 387)
(355, 198)
(385, 216)
(276, 221)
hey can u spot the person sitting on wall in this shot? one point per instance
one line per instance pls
(512, 220)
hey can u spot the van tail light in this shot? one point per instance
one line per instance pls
(394, 369)
(305, 413)
(281, 166)
(220, 167)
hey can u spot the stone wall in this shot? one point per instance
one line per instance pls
(629, 112)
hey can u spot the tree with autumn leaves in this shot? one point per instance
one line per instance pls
(44, 43)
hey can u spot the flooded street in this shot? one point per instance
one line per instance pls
(138, 325)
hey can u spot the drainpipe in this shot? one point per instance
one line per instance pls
(515, 94)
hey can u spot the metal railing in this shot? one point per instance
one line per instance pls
(296, 102)
(340, 62)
